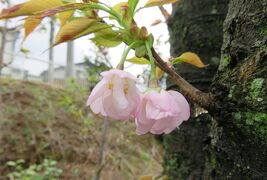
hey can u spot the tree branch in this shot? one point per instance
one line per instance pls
(164, 12)
(206, 100)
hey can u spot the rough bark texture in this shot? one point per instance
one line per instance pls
(231, 142)
(241, 144)
(195, 26)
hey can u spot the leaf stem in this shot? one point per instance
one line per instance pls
(153, 78)
(108, 10)
(124, 56)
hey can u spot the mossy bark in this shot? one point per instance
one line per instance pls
(231, 142)
(240, 86)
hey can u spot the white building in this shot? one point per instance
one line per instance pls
(59, 75)
(9, 53)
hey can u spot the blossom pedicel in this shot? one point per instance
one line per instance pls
(115, 96)
(161, 112)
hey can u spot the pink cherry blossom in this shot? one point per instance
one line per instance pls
(115, 96)
(161, 112)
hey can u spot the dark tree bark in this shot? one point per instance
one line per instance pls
(240, 86)
(229, 142)
(195, 26)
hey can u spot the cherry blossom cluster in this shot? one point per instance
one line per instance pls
(156, 111)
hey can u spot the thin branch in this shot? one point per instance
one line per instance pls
(100, 163)
(205, 100)
(164, 12)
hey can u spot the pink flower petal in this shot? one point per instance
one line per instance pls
(161, 112)
(115, 95)
(152, 112)
(97, 107)
(97, 91)
(119, 73)
(118, 93)
(182, 104)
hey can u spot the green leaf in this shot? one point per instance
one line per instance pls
(152, 3)
(177, 61)
(151, 40)
(140, 61)
(20, 161)
(77, 28)
(11, 163)
(124, 12)
(133, 4)
(140, 51)
(100, 41)
(24, 50)
(120, 6)
(107, 37)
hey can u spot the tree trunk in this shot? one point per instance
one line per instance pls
(229, 143)
(240, 86)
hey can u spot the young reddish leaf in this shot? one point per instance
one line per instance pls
(190, 58)
(64, 16)
(30, 24)
(29, 8)
(120, 6)
(67, 8)
(72, 29)
(77, 28)
(152, 3)
(126, 16)
(94, 28)
(140, 61)
(64, 11)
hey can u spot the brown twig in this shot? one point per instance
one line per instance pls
(206, 100)
(164, 12)
(100, 163)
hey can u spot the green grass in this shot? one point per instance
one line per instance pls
(41, 122)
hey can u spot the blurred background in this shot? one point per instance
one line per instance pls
(30, 59)
(46, 132)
